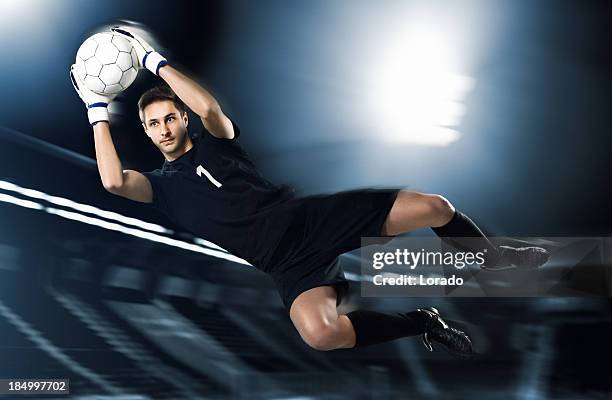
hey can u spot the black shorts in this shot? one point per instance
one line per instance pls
(321, 227)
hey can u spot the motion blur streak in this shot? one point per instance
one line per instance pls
(60, 201)
(112, 226)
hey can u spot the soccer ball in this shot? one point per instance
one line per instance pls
(107, 63)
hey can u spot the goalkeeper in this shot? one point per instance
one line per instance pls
(210, 187)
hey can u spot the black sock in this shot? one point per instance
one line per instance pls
(372, 327)
(462, 226)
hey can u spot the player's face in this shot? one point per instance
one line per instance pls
(166, 127)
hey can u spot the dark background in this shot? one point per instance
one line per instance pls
(532, 160)
(533, 156)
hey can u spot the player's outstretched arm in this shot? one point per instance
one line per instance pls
(130, 184)
(125, 183)
(198, 99)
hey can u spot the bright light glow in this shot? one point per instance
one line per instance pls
(24, 19)
(417, 92)
(10, 9)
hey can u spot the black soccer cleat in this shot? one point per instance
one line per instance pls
(450, 339)
(519, 258)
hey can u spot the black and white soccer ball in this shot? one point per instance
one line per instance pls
(107, 63)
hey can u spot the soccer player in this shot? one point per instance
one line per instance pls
(210, 187)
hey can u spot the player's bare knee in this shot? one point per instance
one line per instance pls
(320, 337)
(442, 209)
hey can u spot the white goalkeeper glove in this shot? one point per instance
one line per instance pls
(147, 57)
(97, 104)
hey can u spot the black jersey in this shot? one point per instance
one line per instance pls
(214, 191)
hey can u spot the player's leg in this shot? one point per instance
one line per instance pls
(413, 210)
(316, 319)
(373, 327)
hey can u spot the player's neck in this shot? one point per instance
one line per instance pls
(188, 145)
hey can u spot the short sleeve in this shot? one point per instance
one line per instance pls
(159, 198)
(206, 134)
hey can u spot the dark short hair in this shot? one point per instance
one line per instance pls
(159, 93)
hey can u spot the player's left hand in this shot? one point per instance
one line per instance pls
(147, 57)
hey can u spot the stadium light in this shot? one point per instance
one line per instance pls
(417, 91)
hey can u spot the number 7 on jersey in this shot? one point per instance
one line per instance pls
(201, 170)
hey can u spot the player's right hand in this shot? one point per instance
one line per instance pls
(147, 57)
(97, 104)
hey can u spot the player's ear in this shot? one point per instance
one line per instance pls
(144, 127)
(185, 118)
(142, 121)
